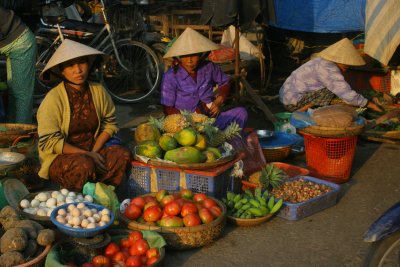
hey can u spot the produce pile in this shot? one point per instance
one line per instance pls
(269, 177)
(249, 205)
(299, 190)
(183, 138)
(183, 208)
(392, 124)
(21, 240)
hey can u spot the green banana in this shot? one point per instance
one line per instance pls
(245, 207)
(257, 192)
(265, 194)
(277, 206)
(230, 196)
(248, 193)
(244, 200)
(254, 203)
(271, 202)
(238, 205)
(237, 198)
(262, 201)
(264, 210)
(255, 212)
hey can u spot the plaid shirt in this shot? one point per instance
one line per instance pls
(315, 75)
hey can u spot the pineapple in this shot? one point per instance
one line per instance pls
(217, 137)
(198, 118)
(174, 123)
(269, 176)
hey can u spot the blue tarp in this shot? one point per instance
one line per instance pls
(323, 16)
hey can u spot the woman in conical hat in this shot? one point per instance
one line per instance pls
(316, 82)
(189, 84)
(75, 120)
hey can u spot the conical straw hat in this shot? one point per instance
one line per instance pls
(190, 42)
(69, 50)
(342, 52)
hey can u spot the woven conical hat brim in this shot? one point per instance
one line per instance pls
(342, 52)
(190, 42)
(69, 50)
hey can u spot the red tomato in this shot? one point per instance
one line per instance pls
(119, 264)
(111, 249)
(133, 261)
(188, 208)
(208, 203)
(138, 201)
(192, 219)
(198, 197)
(206, 216)
(152, 252)
(135, 235)
(181, 201)
(177, 195)
(172, 208)
(139, 248)
(186, 193)
(132, 212)
(152, 214)
(87, 264)
(125, 243)
(149, 198)
(119, 256)
(171, 221)
(160, 194)
(167, 199)
(101, 261)
(216, 211)
(152, 260)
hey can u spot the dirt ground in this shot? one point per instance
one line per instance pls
(332, 237)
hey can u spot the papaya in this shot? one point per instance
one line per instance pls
(210, 156)
(149, 149)
(201, 142)
(184, 155)
(145, 132)
(167, 142)
(215, 151)
(186, 137)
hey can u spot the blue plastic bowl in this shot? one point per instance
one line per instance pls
(80, 232)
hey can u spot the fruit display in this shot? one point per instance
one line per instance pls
(388, 125)
(186, 138)
(300, 190)
(269, 177)
(180, 209)
(249, 205)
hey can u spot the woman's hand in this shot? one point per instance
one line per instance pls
(215, 108)
(98, 161)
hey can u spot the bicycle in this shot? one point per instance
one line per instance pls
(132, 71)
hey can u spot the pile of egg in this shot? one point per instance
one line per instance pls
(45, 202)
(81, 216)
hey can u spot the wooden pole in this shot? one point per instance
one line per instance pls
(237, 61)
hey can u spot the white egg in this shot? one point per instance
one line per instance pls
(51, 202)
(42, 197)
(94, 211)
(84, 223)
(105, 212)
(62, 212)
(75, 212)
(81, 205)
(70, 220)
(71, 194)
(60, 203)
(101, 224)
(91, 225)
(60, 198)
(64, 191)
(42, 205)
(49, 211)
(105, 218)
(55, 194)
(69, 225)
(89, 198)
(76, 221)
(91, 220)
(25, 203)
(76, 226)
(88, 213)
(71, 207)
(96, 217)
(69, 200)
(30, 210)
(35, 203)
(68, 217)
(79, 196)
(61, 220)
(41, 212)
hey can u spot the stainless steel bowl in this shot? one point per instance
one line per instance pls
(10, 160)
(262, 134)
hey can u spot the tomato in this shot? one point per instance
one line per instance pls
(188, 208)
(133, 261)
(119, 264)
(208, 203)
(172, 208)
(87, 264)
(143, 258)
(101, 261)
(132, 212)
(152, 252)
(119, 256)
(149, 198)
(125, 243)
(167, 199)
(181, 201)
(135, 235)
(152, 214)
(111, 249)
(171, 221)
(186, 193)
(138, 201)
(161, 194)
(192, 219)
(216, 211)
(139, 248)
(150, 204)
(198, 197)
(206, 216)
(152, 260)
(177, 195)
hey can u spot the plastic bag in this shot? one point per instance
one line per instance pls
(102, 194)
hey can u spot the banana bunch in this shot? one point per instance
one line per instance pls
(249, 205)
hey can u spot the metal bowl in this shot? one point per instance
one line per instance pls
(10, 160)
(262, 134)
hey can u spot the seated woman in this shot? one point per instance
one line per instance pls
(316, 82)
(189, 84)
(75, 120)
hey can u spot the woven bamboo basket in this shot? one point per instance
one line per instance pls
(333, 132)
(276, 153)
(39, 260)
(9, 132)
(185, 237)
(248, 222)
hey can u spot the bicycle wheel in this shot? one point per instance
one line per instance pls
(137, 77)
(44, 51)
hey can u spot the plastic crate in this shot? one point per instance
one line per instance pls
(145, 178)
(297, 211)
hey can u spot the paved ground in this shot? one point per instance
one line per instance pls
(332, 237)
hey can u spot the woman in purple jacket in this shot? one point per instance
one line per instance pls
(189, 84)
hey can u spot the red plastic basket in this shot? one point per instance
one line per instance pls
(330, 158)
